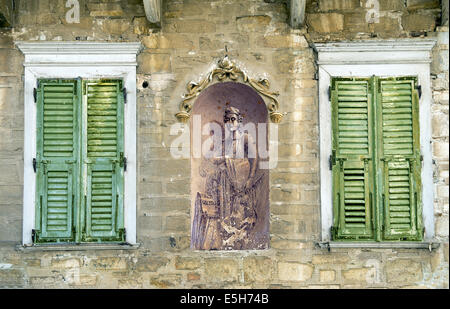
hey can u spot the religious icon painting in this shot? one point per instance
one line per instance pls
(230, 186)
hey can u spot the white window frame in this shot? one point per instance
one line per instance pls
(387, 58)
(88, 60)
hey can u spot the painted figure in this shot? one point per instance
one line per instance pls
(226, 213)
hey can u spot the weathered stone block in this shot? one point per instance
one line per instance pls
(177, 243)
(387, 25)
(309, 196)
(110, 263)
(293, 178)
(177, 224)
(33, 262)
(86, 23)
(191, 26)
(193, 277)
(105, 9)
(440, 149)
(115, 26)
(294, 271)
(150, 222)
(47, 19)
(165, 281)
(257, 23)
(284, 41)
(130, 283)
(66, 263)
(154, 63)
(187, 263)
(442, 226)
(151, 264)
(6, 40)
(11, 278)
(178, 187)
(418, 22)
(10, 172)
(284, 62)
(330, 5)
(422, 4)
(166, 168)
(258, 269)
(446, 252)
(221, 269)
(330, 259)
(148, 189)
(392, 5)
(441, 97)
(326, 22)
(163, 204)
(327, 275)
(289, 244)
(356, 22)
(87, 280)
(206, 43)
(141, 25)
(284, 194)
(403, 271)
(440, 125)
(53, 281)
(168, 41)
(279, 226)
(356, 275)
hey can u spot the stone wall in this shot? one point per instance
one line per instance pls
(192, 36)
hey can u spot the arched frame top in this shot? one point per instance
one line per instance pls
(227, 70)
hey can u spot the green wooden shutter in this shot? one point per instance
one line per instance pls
(57, 160)
(352, 155)
(398, 111)
(104, 159)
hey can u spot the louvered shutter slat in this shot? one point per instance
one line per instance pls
(351, 144)
(401, 159)
(57, 159)
(104, 148)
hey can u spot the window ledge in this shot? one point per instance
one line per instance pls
(75, 247)
(378, 245)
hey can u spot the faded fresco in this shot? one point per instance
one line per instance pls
(230, 193)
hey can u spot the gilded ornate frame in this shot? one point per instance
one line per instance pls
(227, 70)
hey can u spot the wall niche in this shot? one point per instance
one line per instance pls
(229, 186)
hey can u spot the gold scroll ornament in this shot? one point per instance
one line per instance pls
(228, 70)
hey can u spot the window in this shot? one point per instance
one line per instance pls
(79, 161)
(92, 172)
(383, 208)
(376, 159)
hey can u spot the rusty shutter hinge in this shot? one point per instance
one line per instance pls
(332, 160)
(123, 234)
(33, 235)
(35, 95)
(334, 232)
(34, 164)
(419, 90)
(124, 91)
(329, 93)
(123, 161)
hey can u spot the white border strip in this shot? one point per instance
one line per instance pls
(55, 60)
(384, 66)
